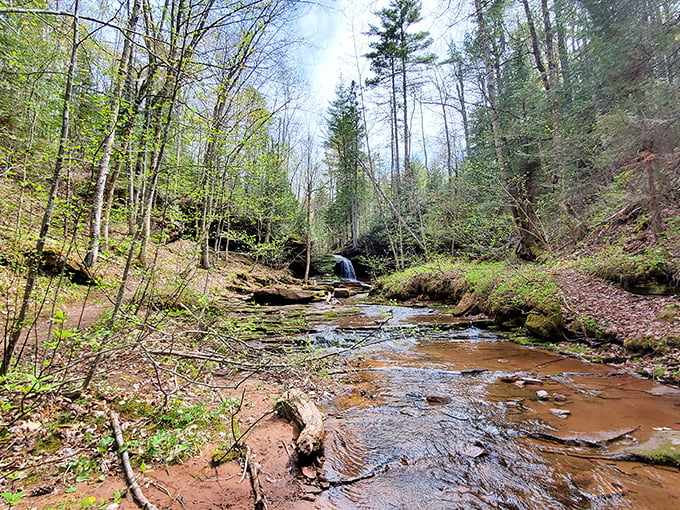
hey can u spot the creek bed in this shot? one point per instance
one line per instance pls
(428, 422)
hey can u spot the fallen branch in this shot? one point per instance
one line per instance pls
(350, 481)
(216, 358)
(136, 491)
(254, 470)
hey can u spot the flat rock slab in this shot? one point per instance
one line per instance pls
(286, 295)
(591, 439)
(664, 391)
(662, 448)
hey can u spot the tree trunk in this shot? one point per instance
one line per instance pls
(396, 178)
(460, 90)
(308, 229)
(18, 324)
(562, 48)
(107, 147)
(490, 82)
(408, 174)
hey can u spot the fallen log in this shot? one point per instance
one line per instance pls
(296, 407)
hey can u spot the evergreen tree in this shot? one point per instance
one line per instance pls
(397, 52)
(344, 142)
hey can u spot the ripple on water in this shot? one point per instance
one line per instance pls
(468, 451)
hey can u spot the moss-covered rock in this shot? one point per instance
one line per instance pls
(670, 314)
(543, 326)
(662, 448)
(506, 292)
(650, 344)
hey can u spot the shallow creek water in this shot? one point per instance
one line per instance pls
(426, 422)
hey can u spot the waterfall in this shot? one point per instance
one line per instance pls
(344, 268)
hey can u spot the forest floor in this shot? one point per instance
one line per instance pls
(55, 451)
(625, 315)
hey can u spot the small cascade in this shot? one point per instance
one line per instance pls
(344, 268)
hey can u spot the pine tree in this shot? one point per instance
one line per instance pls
(345, 135)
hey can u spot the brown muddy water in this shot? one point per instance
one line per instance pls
(428, 423)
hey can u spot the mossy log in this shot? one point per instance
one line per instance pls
(299, 409)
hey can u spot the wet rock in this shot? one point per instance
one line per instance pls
(543, 326)
(560, 413)
(286, 295)
(473, 371)
(542, 395)
(473, 451)
(662, 448)
(308, 472)
(467, 304)
(342, 292)
(663, 390)
(516, 404)
(590, 439)
(436, 399)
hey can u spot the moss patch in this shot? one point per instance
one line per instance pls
(662, 448)
(543, 326)
(505, 291)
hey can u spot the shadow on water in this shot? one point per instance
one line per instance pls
(427, 422)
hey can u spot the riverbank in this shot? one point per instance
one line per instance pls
(195, 367)
(560, 305)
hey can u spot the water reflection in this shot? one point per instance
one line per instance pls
(427, 423)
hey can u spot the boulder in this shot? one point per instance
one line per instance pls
(56, 263)
(543, 326)
(467, 304)
(342, 292)
(286, 295)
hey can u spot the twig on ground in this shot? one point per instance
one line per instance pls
(127, 469)
(254, 471)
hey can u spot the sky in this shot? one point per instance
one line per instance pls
(333, 32)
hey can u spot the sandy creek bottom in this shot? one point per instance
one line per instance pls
(429, 423)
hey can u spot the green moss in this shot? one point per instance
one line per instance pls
(654, 265)
(661, 448)
(48, 444)
(543, 326)
(588, 325)
(506, 291)
(670, 314)
(136, 409)
(646, 344)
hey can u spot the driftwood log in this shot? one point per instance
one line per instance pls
(299, 409)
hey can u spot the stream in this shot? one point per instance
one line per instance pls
(433, 417)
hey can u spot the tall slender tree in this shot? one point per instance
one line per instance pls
(346, 133)
(396, 54)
